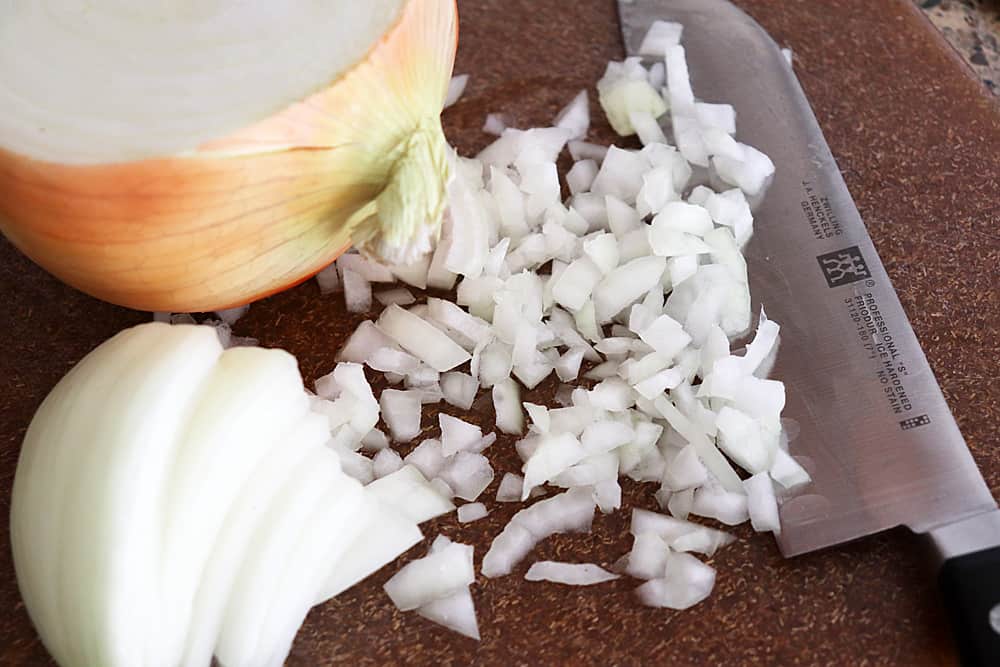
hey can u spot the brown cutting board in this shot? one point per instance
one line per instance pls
(918, 140)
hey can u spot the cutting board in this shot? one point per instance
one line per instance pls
(918, 140)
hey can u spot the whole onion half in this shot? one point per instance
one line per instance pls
(186, 156)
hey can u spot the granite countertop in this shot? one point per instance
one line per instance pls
(973, 28)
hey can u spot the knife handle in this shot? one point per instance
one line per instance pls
(970, 585)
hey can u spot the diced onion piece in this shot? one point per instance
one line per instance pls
(679, 82)
(688, 581)
(622, 218)
(230, 315)
(717, 503)
(620, 174)
(680, 502)
(439, 276)
(510, 203)
(762, 504)
(608, 494)
(625, 285)
(666, 336)
(459, 389)
(576, 283)
(507, 405)
(370, 270)
(374, 441)
(605, 435)
(657, 75)
(366, 339)
(762, 345)
(495, 124)
(468, 474)
(329, 280)
(741, 439)
(659, 382)
(660, 37)
(572, 510)
(357, 292)
(456, 612)
(435, 576)
(414, 273)
(386, 462)
(401, 412)
(657, 191)
(457, 435)
(568, 366)
(575, 116)
(646, 127)
(787, 471)
(421, 339)
(602, 250)
(510, 488)
(581, 176)
(572, 574)
(582, 150)
(554, 455)
(612, 394)
(751, 174)
(539, 414)
(648, 557)
(685, 470)
(400, 296)
(688, 135)
(508, 548)
(456, 86)
(719, 116)
(392, 360)
(707, 452)
(495, 363)
(471, 512)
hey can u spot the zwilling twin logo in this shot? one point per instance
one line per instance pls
(843, 267)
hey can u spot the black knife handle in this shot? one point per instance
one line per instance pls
(970, 585)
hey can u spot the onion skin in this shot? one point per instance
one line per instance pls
(249, 214)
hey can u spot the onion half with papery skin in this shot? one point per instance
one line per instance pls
(196, 205)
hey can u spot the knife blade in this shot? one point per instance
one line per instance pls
(873, 428)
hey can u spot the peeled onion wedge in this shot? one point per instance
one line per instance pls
(177, 156)
(174, 500)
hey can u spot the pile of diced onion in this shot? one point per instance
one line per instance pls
(631, 292)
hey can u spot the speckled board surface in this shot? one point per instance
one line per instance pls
(917, 139)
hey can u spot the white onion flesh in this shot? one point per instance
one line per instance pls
(510, 488)
(440, 574)
(455, 89)
(688, 581)
(572, 574)
(572, 510)
(471, 512)
(457, 435)
(762, 504)
(401, 412)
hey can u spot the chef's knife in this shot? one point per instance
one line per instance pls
(873, 428)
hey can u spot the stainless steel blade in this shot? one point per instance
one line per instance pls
(873, 428)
